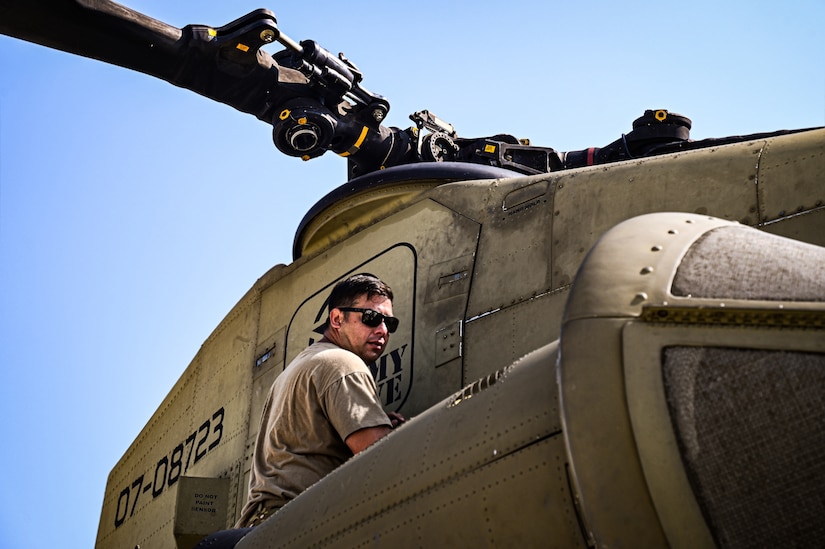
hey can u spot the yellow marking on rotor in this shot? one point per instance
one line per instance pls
(661, 115)
(284, 114)
(302, 120)
(358, 143)
(243, 47)
(488, 148)
(212, 32)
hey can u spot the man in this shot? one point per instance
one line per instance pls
(324, 407)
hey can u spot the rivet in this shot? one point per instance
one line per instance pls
(646, 270)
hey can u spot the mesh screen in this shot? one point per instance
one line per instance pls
(742, 263)
(751, 429)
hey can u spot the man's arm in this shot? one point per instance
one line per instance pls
(362, 438)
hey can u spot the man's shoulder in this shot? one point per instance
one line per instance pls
(329, 351)
(330, 358)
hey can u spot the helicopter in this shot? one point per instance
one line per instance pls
(441, 305)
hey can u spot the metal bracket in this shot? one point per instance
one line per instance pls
(448, 343)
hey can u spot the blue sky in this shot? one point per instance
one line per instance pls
(134, 215)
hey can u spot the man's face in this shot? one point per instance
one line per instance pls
(353, 335)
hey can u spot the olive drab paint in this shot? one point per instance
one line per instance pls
(481, 272)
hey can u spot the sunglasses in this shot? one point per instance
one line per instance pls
(373, 319)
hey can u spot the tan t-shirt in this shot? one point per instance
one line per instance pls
(323, 396)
